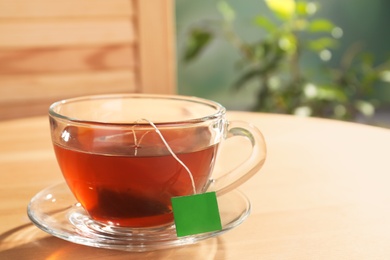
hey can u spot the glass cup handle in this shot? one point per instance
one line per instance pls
(248, 168)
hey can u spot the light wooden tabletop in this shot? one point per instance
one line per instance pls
(324, 193)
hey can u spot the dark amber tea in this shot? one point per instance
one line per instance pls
(129, 184)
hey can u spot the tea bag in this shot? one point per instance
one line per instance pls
(193, 214)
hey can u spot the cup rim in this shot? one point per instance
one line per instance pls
(219, 109)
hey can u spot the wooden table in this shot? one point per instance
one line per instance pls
(324, 193)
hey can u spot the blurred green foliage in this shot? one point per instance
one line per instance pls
(273, 62)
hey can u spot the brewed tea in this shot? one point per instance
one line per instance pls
(132, 190)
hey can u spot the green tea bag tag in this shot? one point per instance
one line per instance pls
(196, 214)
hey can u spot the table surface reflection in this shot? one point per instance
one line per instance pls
(323, 193)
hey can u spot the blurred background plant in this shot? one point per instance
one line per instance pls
(273, 63)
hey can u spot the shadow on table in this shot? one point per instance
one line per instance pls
(28, 242)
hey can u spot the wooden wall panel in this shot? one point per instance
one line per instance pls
(32, 94)
(64, 84)
(51, 50)
(66, 59)
(65, 32)
(155, 26)
(68, 8)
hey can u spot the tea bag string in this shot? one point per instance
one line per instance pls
(170, 150)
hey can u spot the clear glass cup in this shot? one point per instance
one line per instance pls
(124, 156)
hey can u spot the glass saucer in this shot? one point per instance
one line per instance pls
(56, 211)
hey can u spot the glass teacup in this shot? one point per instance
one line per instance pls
(125, 156)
